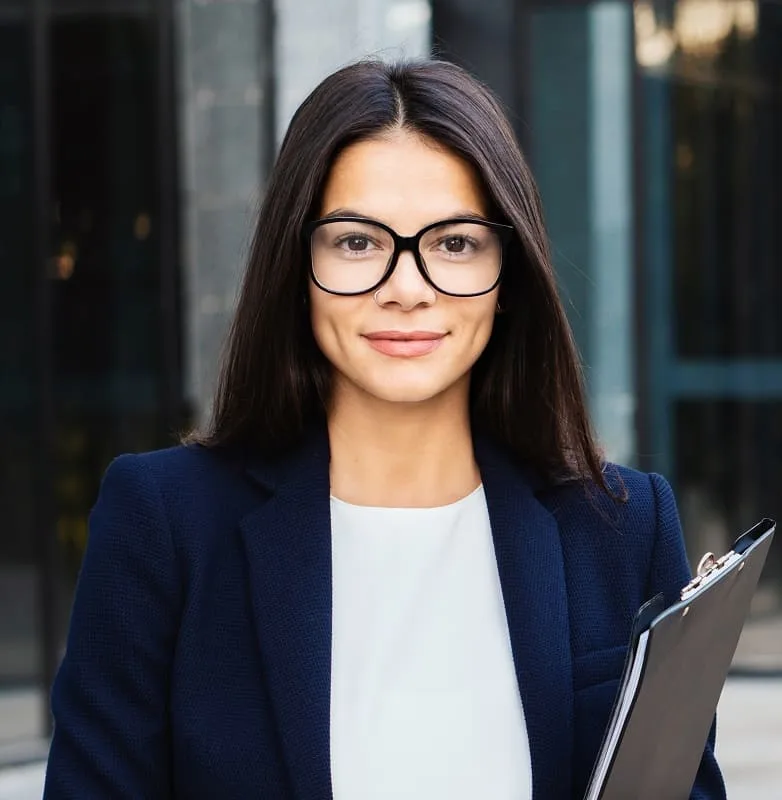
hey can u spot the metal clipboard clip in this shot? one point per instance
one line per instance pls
(709, 567)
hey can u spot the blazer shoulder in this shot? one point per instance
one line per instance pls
(188, 467)
(632, 497)
(614, 534)
(610, 553)
(201, 491)
(181, 459)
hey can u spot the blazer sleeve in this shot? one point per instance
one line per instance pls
(110, 695)
(670, 570)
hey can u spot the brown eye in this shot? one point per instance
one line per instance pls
(355, 243)
(455, 244)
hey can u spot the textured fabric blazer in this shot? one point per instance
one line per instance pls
(199, 653)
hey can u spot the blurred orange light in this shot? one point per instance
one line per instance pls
(142, 227)
(66, 263)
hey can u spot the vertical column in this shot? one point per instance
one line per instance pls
(168, 252)
(45, 422)
(481, 37)
(581, 120)
(224, 68)
(559, 118)
(611, 231)
(658, 260)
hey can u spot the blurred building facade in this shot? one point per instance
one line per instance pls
(135, 137)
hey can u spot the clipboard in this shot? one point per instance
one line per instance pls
(677, 663)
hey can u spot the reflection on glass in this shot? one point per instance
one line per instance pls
(106, 272)
(701, 28)
(725, 99)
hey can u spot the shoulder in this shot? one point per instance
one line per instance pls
(182, 473)
(190, 493)
(618, 546)
(618, 552)
(638, 501)
(181, 464)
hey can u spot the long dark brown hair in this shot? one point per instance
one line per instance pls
(526, 388)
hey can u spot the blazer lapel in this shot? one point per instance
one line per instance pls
(531, 570)
(288, 545)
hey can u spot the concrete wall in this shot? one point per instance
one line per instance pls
(315, 38)
(224, 72)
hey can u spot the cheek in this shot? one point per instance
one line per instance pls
(481, 322)
(332, 318)
(320, 319)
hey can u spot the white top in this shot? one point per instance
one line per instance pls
(424, 698)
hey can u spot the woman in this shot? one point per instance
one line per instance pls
(395, 565)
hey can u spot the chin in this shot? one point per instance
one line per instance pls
(404, 394)
(418, 386)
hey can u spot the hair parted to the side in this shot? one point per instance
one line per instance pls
(526, 388)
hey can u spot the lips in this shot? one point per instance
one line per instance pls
(404, 344)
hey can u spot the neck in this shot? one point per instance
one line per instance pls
(399, 454)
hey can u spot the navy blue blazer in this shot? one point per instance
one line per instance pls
(198, 658)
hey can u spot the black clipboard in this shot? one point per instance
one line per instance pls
(677, 663)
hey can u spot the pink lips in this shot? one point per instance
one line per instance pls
(404, 344)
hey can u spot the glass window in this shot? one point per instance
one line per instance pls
(20, 664)
(107, 316)
(721, 66)
(104, 277)
(711, 189)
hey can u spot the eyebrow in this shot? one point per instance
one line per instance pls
(458, 214)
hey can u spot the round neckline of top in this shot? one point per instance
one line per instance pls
(409, 509)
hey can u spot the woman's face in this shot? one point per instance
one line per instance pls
(409, 343)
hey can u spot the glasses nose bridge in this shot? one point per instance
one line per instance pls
(403, 244)
(410, 243)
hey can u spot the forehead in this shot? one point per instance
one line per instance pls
(404, 180)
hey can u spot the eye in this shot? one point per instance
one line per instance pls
(356, 243)
(455, 244)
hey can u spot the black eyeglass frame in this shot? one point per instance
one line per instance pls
(411, 243)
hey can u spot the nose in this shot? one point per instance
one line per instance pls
(406, 287)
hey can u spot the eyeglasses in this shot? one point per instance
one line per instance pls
(461, 257)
